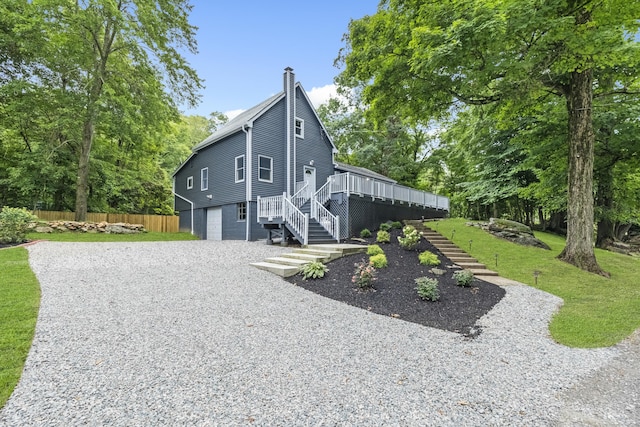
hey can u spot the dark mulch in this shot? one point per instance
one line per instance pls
(394, 292)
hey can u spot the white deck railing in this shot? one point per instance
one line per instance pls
(270, 207)
(296, 219)
(376, 189)
(329, 221)
(302, 194)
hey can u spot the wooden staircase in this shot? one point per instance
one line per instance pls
(290, 263)
(453, 252)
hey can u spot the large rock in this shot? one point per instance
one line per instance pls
(514, 232)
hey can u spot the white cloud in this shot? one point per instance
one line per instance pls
(231, 114)
(321, 95)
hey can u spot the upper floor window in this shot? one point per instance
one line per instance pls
(299, 127)
(240, 168)
(189, 182)
(204, 179)
(265, 169)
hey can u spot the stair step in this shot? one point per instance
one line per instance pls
(344, 248)
(483, 272)
(307, 257)
(471, 265)
(460, 258)
(279, 269)
(287, 261)
(321, 252)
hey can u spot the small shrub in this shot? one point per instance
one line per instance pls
(385, 226)
(14, 223)
(463, 277)
(410, 239)
(378, 261)
(314, 270)
(383, 237)
(428, 288)
(364, 275)
(428, 258)
(396, 224)
(365, 233)
(374, 250)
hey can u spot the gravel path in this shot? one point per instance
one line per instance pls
(185, 333)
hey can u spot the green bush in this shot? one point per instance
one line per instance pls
(383, 237)
(378, 261)
(314, 270)
(428, 258)
(364, 275)
(385, 226)
(428, 288)
(365, 233)
(374, 250)
(396, 224)
(463, 277)
(410, 239)
(14, 223)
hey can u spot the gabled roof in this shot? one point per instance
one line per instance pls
(239, 121)
(363, 171)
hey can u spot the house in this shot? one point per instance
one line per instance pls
(271, 171)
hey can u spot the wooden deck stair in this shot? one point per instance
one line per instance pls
(453, 252)
(289, 264)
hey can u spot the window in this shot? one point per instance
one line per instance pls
(240, 168)
(242, 211)
(204, 179)
(299, 127)
(265, 169)
(189, 182)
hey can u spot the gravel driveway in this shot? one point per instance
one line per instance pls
(186, 333)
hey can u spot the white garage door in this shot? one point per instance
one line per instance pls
(214, 224)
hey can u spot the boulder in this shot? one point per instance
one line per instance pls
(514, 232)
(118, 229)
(43, 229)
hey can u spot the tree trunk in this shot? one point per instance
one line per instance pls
(579, 247)
(604, 200)
(82, 183)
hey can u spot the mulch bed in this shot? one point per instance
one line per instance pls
(394, 292)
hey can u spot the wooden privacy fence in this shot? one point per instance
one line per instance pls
(161, 223)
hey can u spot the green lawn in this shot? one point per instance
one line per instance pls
(597, 312)
(20, 298)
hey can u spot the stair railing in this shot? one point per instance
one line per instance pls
(295, 218)
(301, 196)
(326, 219)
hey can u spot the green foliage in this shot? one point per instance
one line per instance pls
(378, 261)
(428, 288)
(19, 301)
(428, 258)
(383, 237)
(385, 226)
(410, 239)
(14, 223)
(374, 250)
(365, 233)
(313, 270)
(364, 276)
(463, 278)
(396, 225)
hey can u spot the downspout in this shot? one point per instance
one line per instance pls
(248, 175)
(173, 190)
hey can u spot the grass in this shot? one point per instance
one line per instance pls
(597, 312)
(19, 302)
(20, 298)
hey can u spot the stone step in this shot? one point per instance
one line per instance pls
(461, 258)
(279, 269)
(327, 253)
(483, 272)
(294, 262)
(343, 248)
(471, 265)
(307, 257)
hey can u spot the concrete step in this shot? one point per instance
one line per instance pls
(343, 248)
(294, 262)
(483, 272)
(461, 258)
(471, 265)
(306, 257)
(328, 253)
(279, 269)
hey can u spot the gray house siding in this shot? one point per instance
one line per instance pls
(269, 139)
(232, 229)
(314, 146)
(199, 221)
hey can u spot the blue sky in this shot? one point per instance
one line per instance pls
(244, 47)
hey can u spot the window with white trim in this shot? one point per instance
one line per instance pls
(204, 179)
(299, 127)
(242, 211)
(189, 182)
(265, 169)
(240, 168)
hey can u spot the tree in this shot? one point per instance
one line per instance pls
(116, 60)
(425, 59)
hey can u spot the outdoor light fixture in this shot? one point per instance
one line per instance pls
(209, 196)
